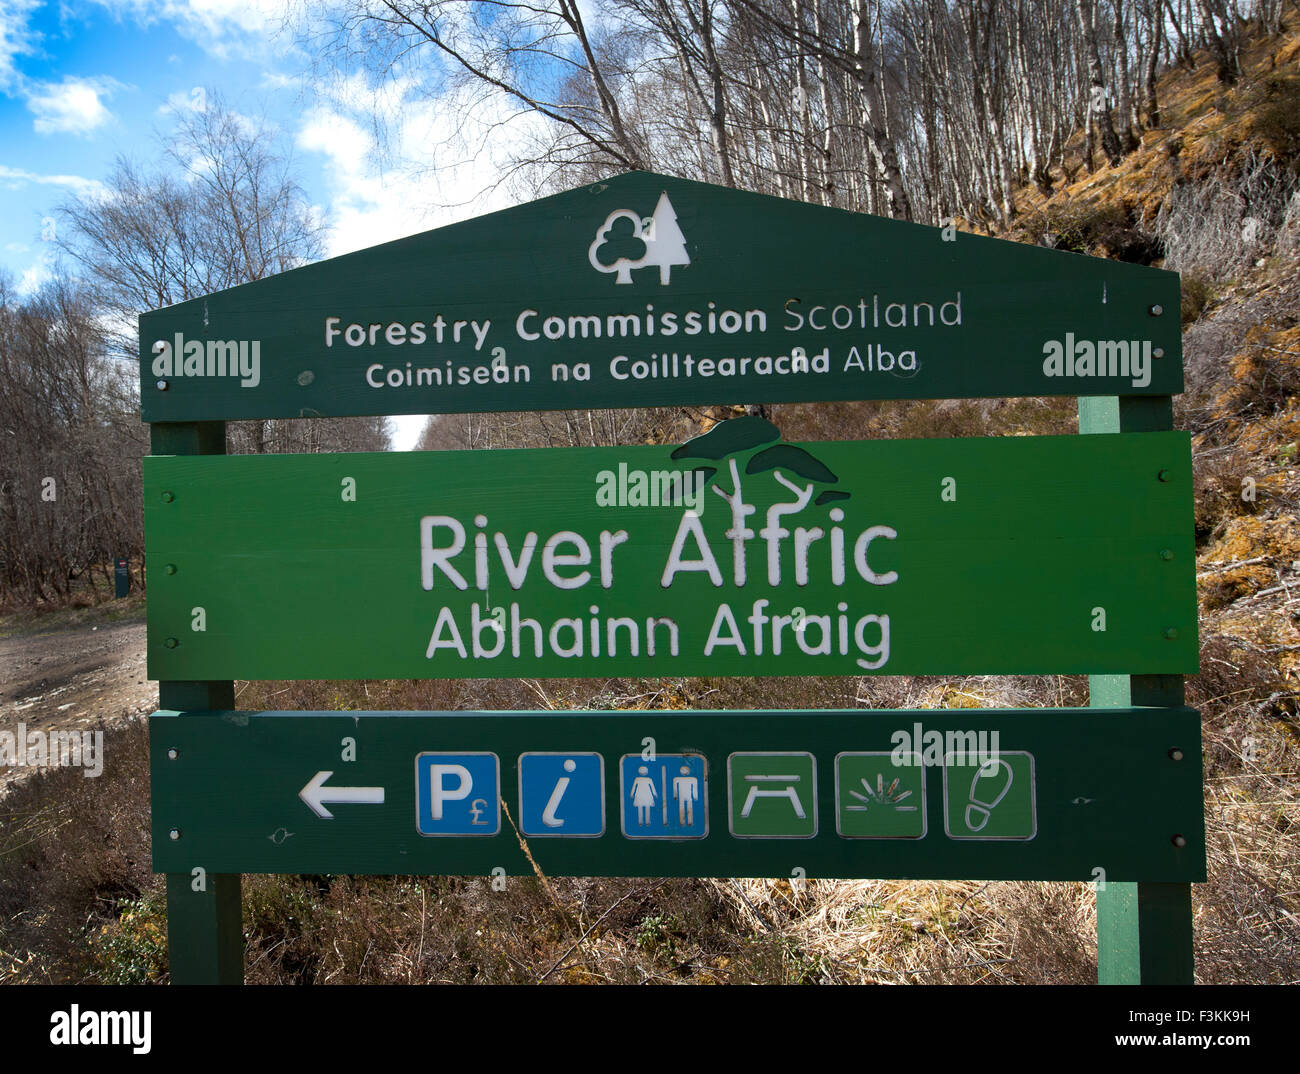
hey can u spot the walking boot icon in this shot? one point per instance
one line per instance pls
(989, 786)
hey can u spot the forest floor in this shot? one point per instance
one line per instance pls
(57, 675)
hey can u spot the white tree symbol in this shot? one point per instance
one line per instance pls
(622, 265)
(665, 245)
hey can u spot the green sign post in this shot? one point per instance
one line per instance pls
(737, 553)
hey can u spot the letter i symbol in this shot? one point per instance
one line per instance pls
(561, 785)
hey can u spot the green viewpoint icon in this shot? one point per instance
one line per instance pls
(772, 795)
(991, 798)
(876, 798)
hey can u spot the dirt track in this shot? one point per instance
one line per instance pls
(73, 679)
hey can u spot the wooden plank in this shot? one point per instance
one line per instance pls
(1081, 791)
(1144, 930)
(999, 562)
(205, 935)
(530, 309)
(1144, 934)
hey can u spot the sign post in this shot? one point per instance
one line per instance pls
(736, 553)
(205, 934)
(1144, 930)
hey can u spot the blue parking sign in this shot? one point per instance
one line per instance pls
(667, 798)
(562, 794)
(457, 794)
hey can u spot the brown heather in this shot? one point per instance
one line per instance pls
(78, 902)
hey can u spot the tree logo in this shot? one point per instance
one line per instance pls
(729, 441)
(625, 242)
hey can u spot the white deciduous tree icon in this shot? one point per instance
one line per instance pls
(658, 238)
(614, 238)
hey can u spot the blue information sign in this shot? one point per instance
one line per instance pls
(562, 794)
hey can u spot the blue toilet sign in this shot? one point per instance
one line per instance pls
(666, 798)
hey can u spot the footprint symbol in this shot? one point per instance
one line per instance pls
(989, 786)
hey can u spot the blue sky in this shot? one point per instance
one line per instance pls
(84, 82)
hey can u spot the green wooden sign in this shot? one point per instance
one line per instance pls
(974, 794)
(735, 554)
(648, 290)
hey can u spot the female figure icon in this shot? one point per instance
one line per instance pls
(644, 794)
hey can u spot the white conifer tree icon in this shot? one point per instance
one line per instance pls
(665, 243)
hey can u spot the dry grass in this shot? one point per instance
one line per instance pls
(72, 850)
(77, 901)
(82, 611)
(928, 932)
(1248, 915)
(1208, 193)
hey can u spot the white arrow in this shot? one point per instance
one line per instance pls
(316, 794)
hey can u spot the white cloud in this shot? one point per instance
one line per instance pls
(601, 18)
(16, 177)
(183, 100)
(222, 28)
(16, 36)
(276, 80)
(73, 106)
(444, 168)
(34, 275)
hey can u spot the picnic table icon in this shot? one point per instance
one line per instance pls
(758, 790)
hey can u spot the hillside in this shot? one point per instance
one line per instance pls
(1214, 192)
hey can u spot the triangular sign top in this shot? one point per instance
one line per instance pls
(649, 290)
